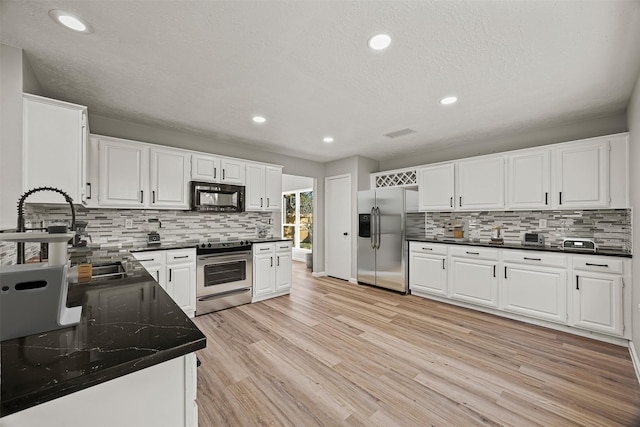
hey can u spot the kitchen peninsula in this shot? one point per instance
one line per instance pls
(130, 361)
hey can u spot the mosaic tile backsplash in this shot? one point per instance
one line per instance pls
(610, 228)
(109, 235)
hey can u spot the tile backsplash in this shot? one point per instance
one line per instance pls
(109, 234)
(610, 228)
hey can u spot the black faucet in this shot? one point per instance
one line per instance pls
(21, 226)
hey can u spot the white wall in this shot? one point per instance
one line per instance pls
(633, 118)
(10, 134)
(513, 139)
(296, 182)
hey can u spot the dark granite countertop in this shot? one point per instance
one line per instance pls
(511, 245)
(127, 325)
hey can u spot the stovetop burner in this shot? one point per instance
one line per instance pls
(222, 247)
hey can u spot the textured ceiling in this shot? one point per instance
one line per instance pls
(207, 66)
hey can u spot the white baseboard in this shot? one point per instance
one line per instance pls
(319, 274)
(354, 281)
(634, 359)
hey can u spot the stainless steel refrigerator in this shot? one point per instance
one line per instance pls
(382, 249)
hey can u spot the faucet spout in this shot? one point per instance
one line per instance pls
(21, 226)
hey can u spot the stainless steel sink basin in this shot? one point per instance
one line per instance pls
(113, 270)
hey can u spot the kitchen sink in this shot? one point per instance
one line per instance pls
(113, 270)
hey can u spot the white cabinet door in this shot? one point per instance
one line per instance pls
(254, 190)
(232, 171)
(54, 149)
(529, 180)
(123, 174)
(264, 274)
(283, 271)
(181, 285)
(436, 188)
(582, 175)
(474, 281)
(169, 179)
(480, 183)
(205, 168)
(536, 292)
(273, 188)
(597, 302)
(428, 274)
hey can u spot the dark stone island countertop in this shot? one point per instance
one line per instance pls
(511, 245)
(127, 325)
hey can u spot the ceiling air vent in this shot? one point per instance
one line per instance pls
(401, 132)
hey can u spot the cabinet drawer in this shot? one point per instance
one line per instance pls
(147, 258)
(428, 248)
(474, 252)
(181, 256)
(535, 258)
(263, 248)
(283, 246)
(601, 264)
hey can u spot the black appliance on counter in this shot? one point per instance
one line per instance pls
(211, 197)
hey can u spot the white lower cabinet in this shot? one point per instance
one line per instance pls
(597, 293)
(474, 275)
(578, 291)
(175, 271)
(271, 269)
(428, 271)
(535, 284)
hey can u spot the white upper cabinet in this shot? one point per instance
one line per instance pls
(480, 183)
(582, 175)
(436, 188)
(216, 169)
(54, 149)
(529, 179)
(123, 173)
(169, 178)
(263, 187)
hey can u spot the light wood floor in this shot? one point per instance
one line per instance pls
(335, 353)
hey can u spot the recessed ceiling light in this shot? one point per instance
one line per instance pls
(259, 119)
(380, 41)
(70, 21)
(448, 100)
(327, 139)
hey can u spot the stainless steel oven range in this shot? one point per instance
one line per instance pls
(224, 275)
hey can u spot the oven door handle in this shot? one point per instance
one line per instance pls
(242, 255)
(224, 294)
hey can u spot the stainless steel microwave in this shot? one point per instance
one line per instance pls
(210, 197)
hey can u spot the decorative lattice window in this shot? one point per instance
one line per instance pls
(401, 178)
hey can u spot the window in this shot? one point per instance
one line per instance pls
(297, 217)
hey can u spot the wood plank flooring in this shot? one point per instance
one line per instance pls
(334, 353)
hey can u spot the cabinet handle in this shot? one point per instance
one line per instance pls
(443, 263)
(89, 187)
(223, 174)
(494, 271)
(158, 276)
(577, 282)
(268, 202)
(265, 249)
(505, 272)
(182, 256)
(153, 196)
(597, 265)
(260, 201)
(473, 253)
(278, 259)
(533, 259)
(141, 196)
(170, 274)
(143, 260)
(460, 201)
(451, 202)
(546, 198)
(215, 172)
(560, 194)
(271, 261)
(427, 249)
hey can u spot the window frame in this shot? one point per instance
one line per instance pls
(297, 225)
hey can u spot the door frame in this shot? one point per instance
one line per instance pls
(326, 224)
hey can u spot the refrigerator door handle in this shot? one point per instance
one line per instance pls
(378, 227)
(372, 228)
